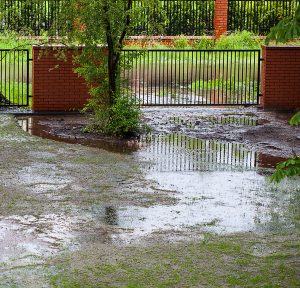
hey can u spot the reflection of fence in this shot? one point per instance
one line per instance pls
(193, 77)
(15, 84)
(256, 15)
(178, 152)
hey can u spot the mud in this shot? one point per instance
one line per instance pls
(265, 132)
(198, 172)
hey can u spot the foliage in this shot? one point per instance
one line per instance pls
(238, 40)
(257, 16)
(295, 120)
(286, 29)
(29, 17)
(14, 92)
(204, 44)
(184, 17)
(230, 85)
(121, 119)
(288, 168)
(105, 22)
(181, 43)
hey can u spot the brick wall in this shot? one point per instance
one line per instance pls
(56, 89)
(220, 17)
(281, 78)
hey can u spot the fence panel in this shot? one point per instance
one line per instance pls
(31, 17)
(192, 77)
(179, 17)
(258, 16)
(15, 78)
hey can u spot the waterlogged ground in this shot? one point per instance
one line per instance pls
(189, 205)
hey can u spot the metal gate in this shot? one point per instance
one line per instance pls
(192, 77)
(15, 78)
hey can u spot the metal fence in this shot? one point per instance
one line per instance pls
(258, 16)
(32, 17)
(176, 17)
(192, 77)
(15, 78)
(179, 17)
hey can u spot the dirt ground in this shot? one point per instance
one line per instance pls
(112, 215)
(265, 132)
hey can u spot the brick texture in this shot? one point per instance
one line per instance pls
(56, 89)
(220, 17)
(281, 78)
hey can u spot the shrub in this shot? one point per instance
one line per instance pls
(120, 119)
(238, 40)
(182, 43)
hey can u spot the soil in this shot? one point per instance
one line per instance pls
(265, 132)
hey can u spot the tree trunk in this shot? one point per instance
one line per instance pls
(113, 75)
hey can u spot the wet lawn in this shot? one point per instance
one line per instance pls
(79, 216)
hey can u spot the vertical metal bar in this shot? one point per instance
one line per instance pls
(258, 77)
(179, 64)
(250, 77)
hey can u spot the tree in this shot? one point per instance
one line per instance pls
(104, 22)
(287, 29)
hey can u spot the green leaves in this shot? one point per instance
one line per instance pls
(286, 29)
(288, 168)
(295, 120)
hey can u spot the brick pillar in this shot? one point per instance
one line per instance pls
(220, 17)
(55, 85)
(281, 78)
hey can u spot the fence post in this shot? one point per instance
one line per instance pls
(220, 17)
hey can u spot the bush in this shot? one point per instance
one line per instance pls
(181, 43)
(121, 119)
(238, 40)
(204, 44)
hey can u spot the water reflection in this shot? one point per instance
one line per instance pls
(215, 184)
(173, 151)
(178, 152)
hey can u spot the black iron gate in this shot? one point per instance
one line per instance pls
(192, 77)
(15, 77)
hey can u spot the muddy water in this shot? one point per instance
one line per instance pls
(219, 186)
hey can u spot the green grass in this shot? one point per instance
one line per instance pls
(16, 92)
(217, 261)
(229, 85)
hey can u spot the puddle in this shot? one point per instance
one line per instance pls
(219, 186)
(52, 127)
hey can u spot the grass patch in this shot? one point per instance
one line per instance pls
(214, 262)
(15, 93)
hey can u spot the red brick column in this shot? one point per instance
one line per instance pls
(281, 78)
(220, 18)
(55, 86)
